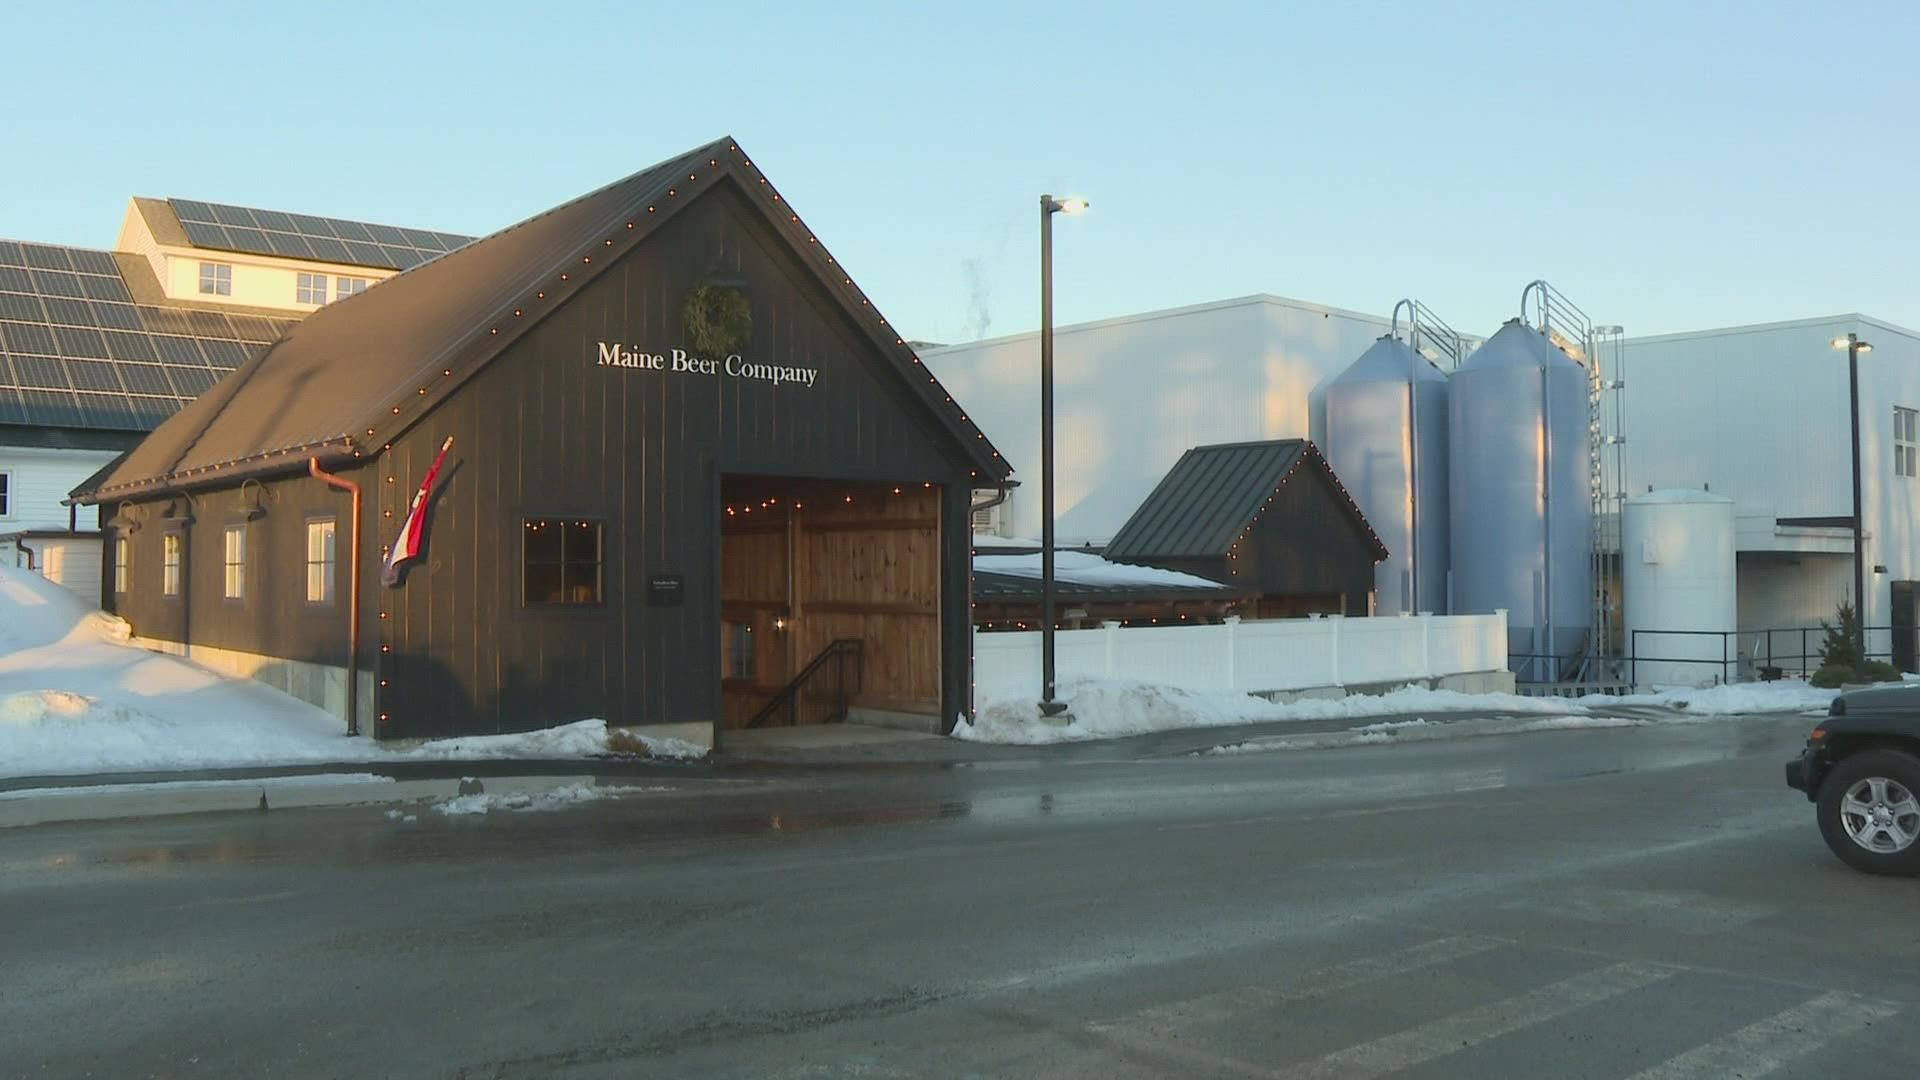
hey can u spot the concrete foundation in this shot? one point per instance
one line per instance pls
(320, 685)
(1471, 682)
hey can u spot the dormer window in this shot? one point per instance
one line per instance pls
(347, 286)
(310, 289)
(216, 279)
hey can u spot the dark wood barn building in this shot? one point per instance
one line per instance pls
(1270, 518)
(690, 464)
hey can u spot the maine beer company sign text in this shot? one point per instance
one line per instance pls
(678, 362)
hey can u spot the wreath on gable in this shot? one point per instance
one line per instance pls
(717, 320)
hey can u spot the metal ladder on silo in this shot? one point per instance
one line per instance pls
(1562, 322)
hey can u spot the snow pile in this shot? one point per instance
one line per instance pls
(570, 795)
(1782, 696)
(1110, 708)
(76, 698)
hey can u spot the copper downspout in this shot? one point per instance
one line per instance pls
(353, 597)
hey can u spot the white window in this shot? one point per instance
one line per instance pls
(170, 564)
(216, 279)
(320, 561)
(236, 560)
(6, 494)
(1906, 442)
(121, 551)
(347, 286)
(310, 289)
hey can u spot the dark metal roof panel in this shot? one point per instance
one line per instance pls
(376, 360)
(1205, 500)
(994, 586)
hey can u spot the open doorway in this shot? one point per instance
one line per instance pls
(829, 603)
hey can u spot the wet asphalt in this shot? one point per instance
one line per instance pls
(1642, 902)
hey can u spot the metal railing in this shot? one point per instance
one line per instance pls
(838, 654)
(1773, 652)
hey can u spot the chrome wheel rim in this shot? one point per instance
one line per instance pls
(1881, 815)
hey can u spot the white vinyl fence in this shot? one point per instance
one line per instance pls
(1268, 654)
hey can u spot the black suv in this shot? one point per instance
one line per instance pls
(1861, 768)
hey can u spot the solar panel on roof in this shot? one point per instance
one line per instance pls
(57, 282)
(191, 210)
(225, 354)
(209, 324)
(110, 410)
(15, 279)
(366, 254)
(289, 245)
(253, 328)
(275, 220)
(350, 230)
(40, 371)
(20, 306)
(329, 249)
(11, 254)
(162, 320)
(19, 337)
(206, 234)
(93, 375)
(179, 350)
(68, 312)
(42, 257)
(146, 379)
(104, 288)
(232, 215)
(387, 234)
(124, 346)
(247, 239)
(10, 411)
(93, 262)
(117, 316)
(190, 381)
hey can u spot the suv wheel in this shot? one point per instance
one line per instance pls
(1870, 812)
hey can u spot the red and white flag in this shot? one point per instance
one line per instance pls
(406, 546)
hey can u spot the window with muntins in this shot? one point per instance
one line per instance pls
(170, 564)
(216, 279)
(561, 561)
(6, 494)
(1906, 441)
(122, 551)
(348, 286)
(310, 289)
(740, 656)
(320, 561)
(236, 562)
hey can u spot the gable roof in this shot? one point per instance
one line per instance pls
(1213, 495)
(252, 231)
(82, 347)
(354, 374)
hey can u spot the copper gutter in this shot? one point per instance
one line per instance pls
(353, 597)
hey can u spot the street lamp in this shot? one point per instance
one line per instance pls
(1855, 347)
(1049, 206)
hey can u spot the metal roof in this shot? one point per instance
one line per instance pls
(77, 350)
(1212, 493)
(221, 227)
(1016, 588)
(356, 373)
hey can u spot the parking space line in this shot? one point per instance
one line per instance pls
(1764, 1047)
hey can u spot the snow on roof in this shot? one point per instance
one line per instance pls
(1082, 568)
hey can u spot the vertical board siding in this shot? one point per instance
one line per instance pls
(544, 431)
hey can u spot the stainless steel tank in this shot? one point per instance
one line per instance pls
(1386, 435)
(1521, 511)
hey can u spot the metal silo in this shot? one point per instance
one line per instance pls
(1386, 435)
(1519, 447)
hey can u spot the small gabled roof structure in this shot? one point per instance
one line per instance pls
(253, 231)
(353, 375)
(1214, 493)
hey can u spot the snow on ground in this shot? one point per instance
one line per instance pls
(1105, 709)
(1110, 708)
(1785, 695)
(569, 795)
(265, 783)
(76, 698)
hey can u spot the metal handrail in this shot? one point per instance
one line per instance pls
(838, 651)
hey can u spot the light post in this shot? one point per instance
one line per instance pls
(1855, 347)
(1049, 206)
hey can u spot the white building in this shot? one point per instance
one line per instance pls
(1132, 394)
(97, 347)
(1756, 413)
(1760, 414)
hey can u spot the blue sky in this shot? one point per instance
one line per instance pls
(1668, 166)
